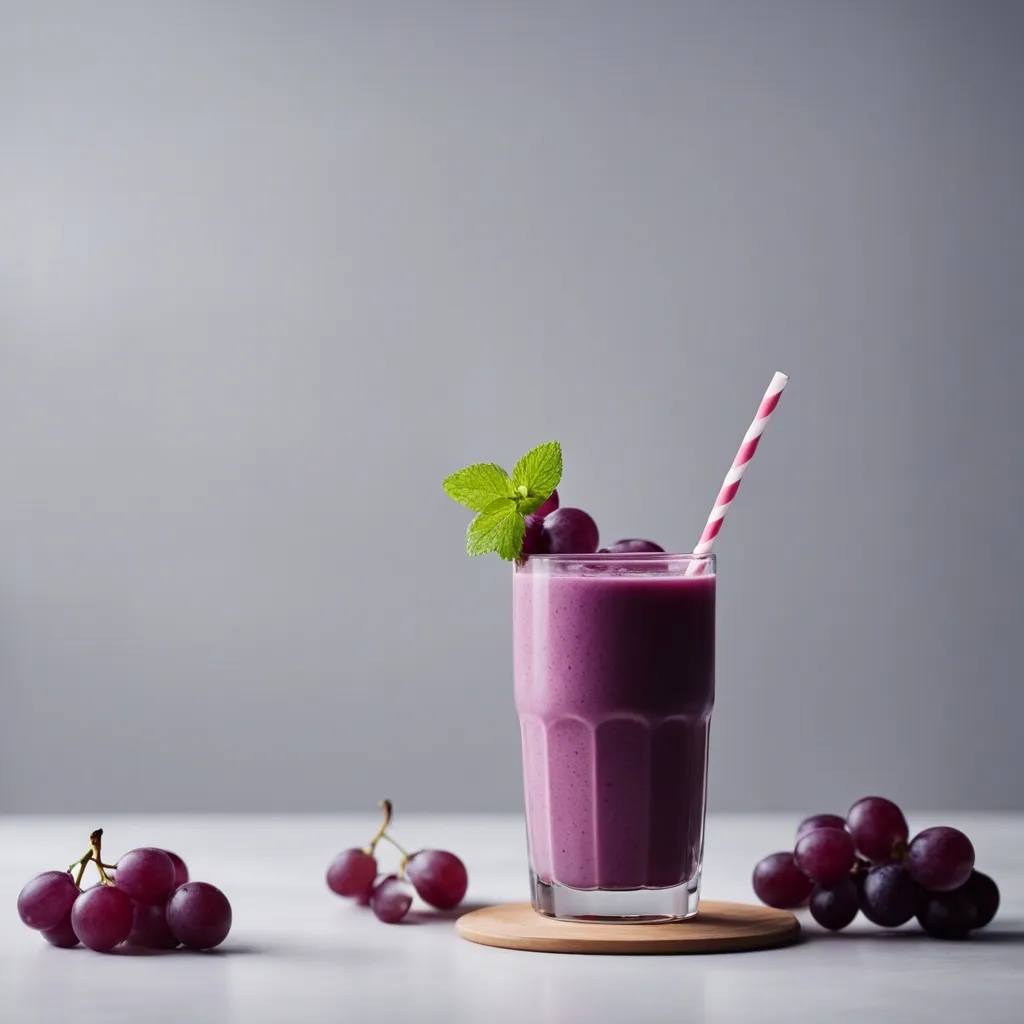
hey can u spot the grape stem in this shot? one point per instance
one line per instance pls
(404, 852)
(385, 806)
(382, 833)
(92, 854)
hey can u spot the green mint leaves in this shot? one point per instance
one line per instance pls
(502, 502)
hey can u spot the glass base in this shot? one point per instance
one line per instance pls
(615, 906)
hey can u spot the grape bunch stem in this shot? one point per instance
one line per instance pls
(382, 833)
(95, 855)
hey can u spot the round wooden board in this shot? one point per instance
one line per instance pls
(717, 928)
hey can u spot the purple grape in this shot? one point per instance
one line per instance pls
(632, 545)
(150, 929)
(61, 935)
(834, 906)
(199, 915)
(948, 915)
(877, 826)
(549, 506)
(102, 917)
(391, 900)
(825, 855)
(985, 895)
(146, 875)
(570, 531)
(816, 821)
(47, 899)
(352, 873)
(439, 877)
(888, 896)
(534, 539)
(940, 859)
(180, 869)
(778, 882)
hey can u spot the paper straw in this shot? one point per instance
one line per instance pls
(739, 466)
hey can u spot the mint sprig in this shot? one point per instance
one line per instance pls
(502, 501)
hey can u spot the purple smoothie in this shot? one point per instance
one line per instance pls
(614, 663)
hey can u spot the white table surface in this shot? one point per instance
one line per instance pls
(297, 953)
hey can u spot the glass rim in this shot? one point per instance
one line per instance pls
(626, 556)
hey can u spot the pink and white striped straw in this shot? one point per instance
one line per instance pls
(739, 466)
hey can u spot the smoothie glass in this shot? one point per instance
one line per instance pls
(614, 663)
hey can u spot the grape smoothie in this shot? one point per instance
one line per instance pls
(614, 661)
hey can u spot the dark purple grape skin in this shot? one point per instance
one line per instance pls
(47, 899)
(984, 893)
(948, 915)
(180, 869)
(534, 538)
(778, 882)
(834, 906)
(816, 821)
(632, 545)
(940, 859)
(889, 897)
(439, 877)
(102, 917)
(391, 900)
(549, 506)
(877, 826)
(146, 875)
(570, 531)
(199, 915)
(825, 855)
(62, 935)
(352, 873)
(150, 929)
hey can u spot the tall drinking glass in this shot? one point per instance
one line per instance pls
(614, 662)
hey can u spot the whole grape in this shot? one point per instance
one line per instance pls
(439, 877)
(888, 896)
(180, 869)
(102, 917)
(47, 899)
(984, 893)
(940, 859)
(549, 506)
(150, 929)
(534, 539)
(816, 821)
(61, 935)
(948, 915)
(825, 855)
(778, 882)
(352, 873)
(391, 900)
(570, 531)
(146, 875)
(632, 545)
(834, 906)
(199, 915)
(878, 827)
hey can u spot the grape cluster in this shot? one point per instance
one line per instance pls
(437, 876)
(864, 863)
(144, 900)
(553, 530)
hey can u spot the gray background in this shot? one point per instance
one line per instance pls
(269, 271)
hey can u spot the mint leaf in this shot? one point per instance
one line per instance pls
(478, 486)
(537, 474)
(503, 502)
(499, 527)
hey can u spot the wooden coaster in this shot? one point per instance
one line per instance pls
(717, 928)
